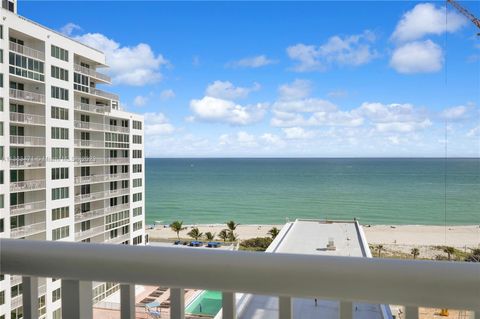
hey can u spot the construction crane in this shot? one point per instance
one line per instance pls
(466, 13)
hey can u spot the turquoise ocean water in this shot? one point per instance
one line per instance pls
(267, 191)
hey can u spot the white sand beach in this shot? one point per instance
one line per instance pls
(398, 235)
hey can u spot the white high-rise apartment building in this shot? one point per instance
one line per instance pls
(72, 165)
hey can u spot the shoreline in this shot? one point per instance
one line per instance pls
(410, 235)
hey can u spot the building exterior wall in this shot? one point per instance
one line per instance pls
(102, 185)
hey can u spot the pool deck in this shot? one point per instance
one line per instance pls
(311, 237)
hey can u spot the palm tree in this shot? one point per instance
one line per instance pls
(177, 226)
(415, 252)
(232, 236)
(223, 234)
(209, 236)
(195, 233)
(274, 232)
(449, 251)
(231, 225)
(379, 249)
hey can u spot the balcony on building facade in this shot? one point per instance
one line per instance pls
(27, 140)
(27, 118)
(27, 162)
(27, 96)
(116, 128)
(94, 231)
(25, 208)
(92, 108)
(31, 185)
(26, 51)
(92, 73)
(100, 178)
(27, 230)
(106, 95)
(349, 280)
(100, 195)
(116, 240)
(80, 217)
(89, 143)
(89, 126)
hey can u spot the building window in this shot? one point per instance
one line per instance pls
(59, 113)
(60, 133)
(61, 232)
(137, 168)
(57, 314)
(1, 31)
(56, 294)
(137, 225)
(137, 182)
(80, 82)
(59, 93)
(1, 128)
(26, 67)
(59, 53)
(2, 297)
(60, 213)
(60, 173)
(137, 240)
(137, 211)
(1, 55)
(137, 139)
(2, 228)
(1, 177)
(137, 125)
(59, 193)
(2, 201)
(16, 290)
(1, 80)
(137, 197)
(59, 153)
(59, 73)
(137, 153)
(1, 104)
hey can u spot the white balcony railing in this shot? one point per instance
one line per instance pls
(79, 217)
(27, 162)
(92, 73)
(27, 140)
(116, 240)
(91, 107)
(89, 125)
(81, 235)
(89, 143)
(27, 118)
(25, 208)
(115, 128)
(27, 96)
(27, 230)
(100, 195)
(99, 178)
(117, 160)
(27, 51)
(103, 94)
(27, 185)
(411, 283)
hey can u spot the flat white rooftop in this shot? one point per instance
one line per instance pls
(312, 237)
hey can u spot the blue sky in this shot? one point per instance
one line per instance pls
(287, 79)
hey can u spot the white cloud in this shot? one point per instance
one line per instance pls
(272, 140)
(337, 93)
(352, 50)
(136, 65)
(455, 113)
(240, 139)
(425, 19)
(157, 124)
(69, 28)
(474, 132)
(417, 57)
(297, 133)
(226, 90)
(403, 127)
(252, 62)
(299, 89)
(140, 100)
(167, 94)
(211, 109)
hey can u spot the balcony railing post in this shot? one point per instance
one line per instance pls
(77, 299)
(127, 301)
(285, 309)
(30, 297)
(411, 312)
(345, 310)
(177, 303)
(229, 310)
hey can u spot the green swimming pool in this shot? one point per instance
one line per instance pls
(208, 303)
